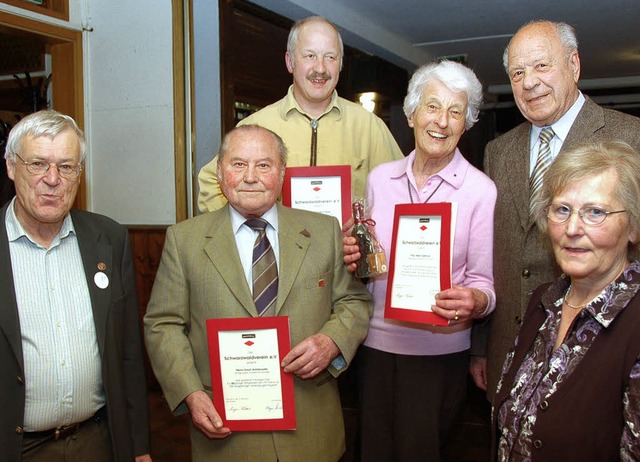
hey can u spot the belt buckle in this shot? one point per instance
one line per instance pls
(61, 432)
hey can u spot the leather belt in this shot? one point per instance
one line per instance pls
(66, 430)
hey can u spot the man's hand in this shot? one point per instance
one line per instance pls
(143, 458)
(478, 370)
(311, 356)
(204, 415)
(350, 246)
(351, 252)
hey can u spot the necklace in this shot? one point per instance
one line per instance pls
(579, 307)
(430, 195)
(575, 307)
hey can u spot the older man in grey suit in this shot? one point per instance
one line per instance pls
(206, 272)
(544, 67)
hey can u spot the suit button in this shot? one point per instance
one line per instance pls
(526, 273)
(544, 405)
(537, 444)
(20, 380)
(19, 430)
(518, 320)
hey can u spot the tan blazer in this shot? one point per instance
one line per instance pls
(523, 258)
(201, 277)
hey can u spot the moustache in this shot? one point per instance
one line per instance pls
(319, 76)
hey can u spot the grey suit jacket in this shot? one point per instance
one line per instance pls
(116, 319)
(523, 258)
(201, 277)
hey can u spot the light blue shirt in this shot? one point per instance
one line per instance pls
(246, 237)
(62, 366)
(560, 129)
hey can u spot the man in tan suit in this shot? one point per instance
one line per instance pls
(544, 66)
(205, 272)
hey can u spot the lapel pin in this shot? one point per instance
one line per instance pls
(102, 266)
(321, 283)
(101, 280)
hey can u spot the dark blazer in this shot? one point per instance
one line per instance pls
(591, 395)
(115, 314)
(523, 259)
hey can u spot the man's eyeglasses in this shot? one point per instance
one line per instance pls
(590, 215)
(40, 167)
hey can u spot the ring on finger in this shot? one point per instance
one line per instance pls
(456, 317)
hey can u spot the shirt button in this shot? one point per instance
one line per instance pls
(537, 444)
(526, 273)
(63, 362)
(544, 405)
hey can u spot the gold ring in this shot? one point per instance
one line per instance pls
(456, 317)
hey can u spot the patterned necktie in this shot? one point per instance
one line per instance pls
(542, 165)
(264, 269)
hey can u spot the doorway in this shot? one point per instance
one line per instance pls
(59, 51)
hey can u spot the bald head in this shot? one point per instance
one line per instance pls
(544, 67)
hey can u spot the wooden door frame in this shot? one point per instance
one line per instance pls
(65, 46)
(179, 105)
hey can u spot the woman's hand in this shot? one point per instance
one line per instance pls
(460, 304)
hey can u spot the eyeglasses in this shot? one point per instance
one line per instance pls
(40, 167)
(560, 213)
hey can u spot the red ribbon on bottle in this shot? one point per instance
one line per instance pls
(369, 222)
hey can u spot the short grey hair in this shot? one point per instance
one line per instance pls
(456, 77)
(588, 160)
(281, 148)
(292, 40)
(46, 123)
(566, 34)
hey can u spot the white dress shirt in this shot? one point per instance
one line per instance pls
(246, 237)
(560, 129)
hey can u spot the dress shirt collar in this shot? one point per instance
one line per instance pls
(291, 104)
(15, 230)
(237, 220)
(608, 304)
(453, 173)
(562, 126)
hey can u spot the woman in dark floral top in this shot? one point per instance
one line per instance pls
(571, 388)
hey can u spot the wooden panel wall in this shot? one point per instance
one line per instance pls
(146, 245)
(253, 42)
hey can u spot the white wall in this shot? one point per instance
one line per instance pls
(206, 68)
(128, 86)
(129, 110)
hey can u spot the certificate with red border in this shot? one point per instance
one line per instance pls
(421, 251)
(251, 392)
(324, 189)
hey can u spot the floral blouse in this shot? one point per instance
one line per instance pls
(543, 369)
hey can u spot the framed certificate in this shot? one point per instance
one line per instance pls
(325, 189)
(420, 267)
(251, 392)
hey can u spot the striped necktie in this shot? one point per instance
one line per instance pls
(264, 269)
(542, 165)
